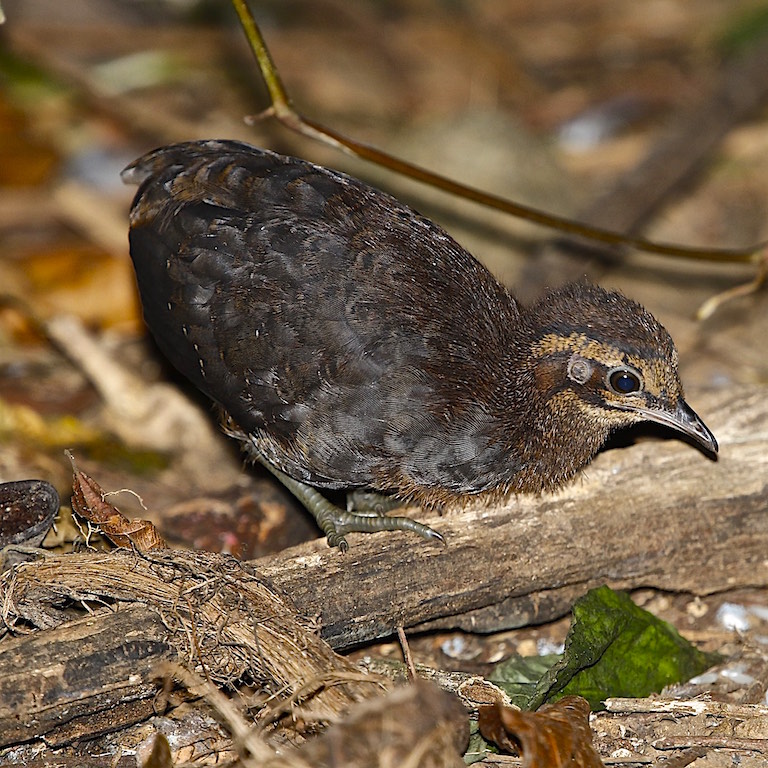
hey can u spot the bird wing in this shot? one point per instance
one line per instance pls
(311, 307)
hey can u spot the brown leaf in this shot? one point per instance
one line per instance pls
(160, 754)
(88, 502)
(69, 276)
(24, 160)
(556, 736)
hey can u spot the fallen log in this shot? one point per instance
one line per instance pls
(656, 514)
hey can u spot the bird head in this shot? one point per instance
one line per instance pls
(606, 362)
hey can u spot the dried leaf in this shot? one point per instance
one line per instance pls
(78, 278)
(88, 502)
(24, 161)
(557, 736)
(21, 422)
(160, 754)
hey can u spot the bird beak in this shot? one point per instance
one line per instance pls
(685, 420)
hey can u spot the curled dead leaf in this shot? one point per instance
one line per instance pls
(88, 502)
(557, 735)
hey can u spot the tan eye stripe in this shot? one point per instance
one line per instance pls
(652, 371)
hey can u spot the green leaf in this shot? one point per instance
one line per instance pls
(614, 648)
(478, 748)
(519, 676)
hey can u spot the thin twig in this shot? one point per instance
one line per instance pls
(407, 656)
(246, 737)
(282, 109)
(712, 742)
(712, 304)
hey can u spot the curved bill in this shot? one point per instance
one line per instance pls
(685, 420)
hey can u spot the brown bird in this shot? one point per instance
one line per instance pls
(353, 344)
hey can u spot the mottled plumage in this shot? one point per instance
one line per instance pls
(355, 344)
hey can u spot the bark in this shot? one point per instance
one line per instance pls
(86, 677)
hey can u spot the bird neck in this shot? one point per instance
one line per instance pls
(547, 431)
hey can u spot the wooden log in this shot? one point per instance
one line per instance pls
(656, 514)
(101, 673)
(85, 677)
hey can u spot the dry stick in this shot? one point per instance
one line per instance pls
(711, 305)
(686, 707)
(254, 751)
(712, 742)
(282, 109)
(407, 655)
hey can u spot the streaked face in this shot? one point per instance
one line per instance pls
(618, 387)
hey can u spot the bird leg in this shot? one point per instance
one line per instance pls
(335, 522)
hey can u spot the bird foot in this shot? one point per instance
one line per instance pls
(335, 522)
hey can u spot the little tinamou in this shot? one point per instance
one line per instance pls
(353, 344)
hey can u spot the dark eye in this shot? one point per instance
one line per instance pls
(624, 382)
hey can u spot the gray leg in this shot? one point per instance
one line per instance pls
(335, 522)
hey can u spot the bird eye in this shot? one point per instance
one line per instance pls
(624, 382)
